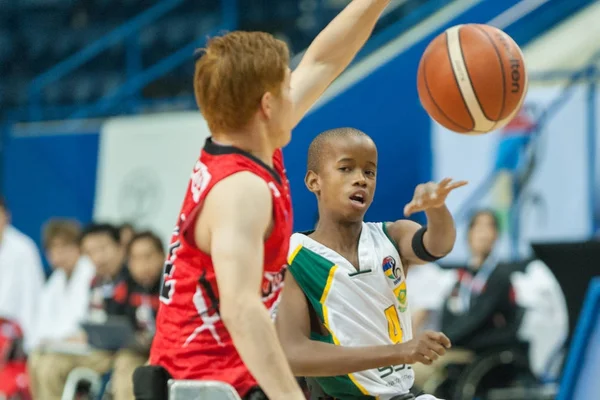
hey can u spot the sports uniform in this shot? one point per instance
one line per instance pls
(191, 341)
(367, 307)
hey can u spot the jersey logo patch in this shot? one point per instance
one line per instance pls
(394, 273)
(390, 269)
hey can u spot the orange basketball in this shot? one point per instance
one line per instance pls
(472, 79)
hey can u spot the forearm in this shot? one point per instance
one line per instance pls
(313, 358)
(255, 339)
(441, 232)
(339, 42)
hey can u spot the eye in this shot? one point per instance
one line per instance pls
(344, 169)
(370, 173)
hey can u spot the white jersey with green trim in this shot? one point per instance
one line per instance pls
(365, 307)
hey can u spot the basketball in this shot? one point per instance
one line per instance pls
(472, 79)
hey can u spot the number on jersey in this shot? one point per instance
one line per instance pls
(394, 328)
(168, 286)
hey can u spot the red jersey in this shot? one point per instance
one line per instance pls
(191, 341)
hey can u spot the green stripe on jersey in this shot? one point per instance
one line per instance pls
(312, 271)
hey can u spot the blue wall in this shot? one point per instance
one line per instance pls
(50, 176)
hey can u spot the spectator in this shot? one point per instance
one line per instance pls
(101, 243)
(146, 258)
(480, 312)
(120, 292)
(64, 299)
(21, 276)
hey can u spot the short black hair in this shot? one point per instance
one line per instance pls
(315, 150)
(485, 211)
(3, 203)
(101, 228)
(153, 237)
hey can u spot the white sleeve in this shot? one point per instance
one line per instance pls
(85, 275)
(30, 288)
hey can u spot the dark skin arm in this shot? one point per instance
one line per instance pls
(441, 232)
(313, 358)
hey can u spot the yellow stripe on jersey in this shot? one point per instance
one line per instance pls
(326, 322)
(294, 254)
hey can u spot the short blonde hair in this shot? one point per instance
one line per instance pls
(233, 73)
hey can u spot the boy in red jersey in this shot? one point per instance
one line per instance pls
(228, 253)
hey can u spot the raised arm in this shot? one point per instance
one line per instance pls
(418, 245)
(312, 358)
(332, 51)
(236, 247)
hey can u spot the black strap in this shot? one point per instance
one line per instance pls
(256, 393)
(419, 248)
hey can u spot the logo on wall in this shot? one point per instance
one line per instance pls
(139, 196)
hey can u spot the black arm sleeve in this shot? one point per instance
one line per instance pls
(459, 329)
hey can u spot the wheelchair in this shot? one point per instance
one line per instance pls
(500, 374)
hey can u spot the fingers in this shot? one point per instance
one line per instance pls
(444, 182)
(439, 337)
(425, 194)
(423, 359)
(447, 185)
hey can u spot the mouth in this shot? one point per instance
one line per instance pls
(358, 199)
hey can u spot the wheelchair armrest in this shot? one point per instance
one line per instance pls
(192, 390)
(77, 376)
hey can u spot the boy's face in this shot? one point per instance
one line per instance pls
(145, 262)
(63, 253)
(105, 253)
(345, 182)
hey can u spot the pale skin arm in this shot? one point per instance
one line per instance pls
(441, 232)
(235, 238)
(312, 358)
(332, 51)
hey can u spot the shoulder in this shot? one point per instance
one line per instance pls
(245, 183)
(242, 197)
(19, 241)
(297, 242)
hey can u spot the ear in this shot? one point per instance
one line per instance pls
(266, 105)
(311, 180)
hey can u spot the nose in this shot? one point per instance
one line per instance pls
(360, 179)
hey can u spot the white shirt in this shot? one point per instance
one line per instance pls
(428, 286)
(21, 279)
(63, 303)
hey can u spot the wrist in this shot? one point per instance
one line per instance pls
(401, 354)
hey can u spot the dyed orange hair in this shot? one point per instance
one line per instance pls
(233, 74)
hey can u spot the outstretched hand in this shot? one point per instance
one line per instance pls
(431, 195)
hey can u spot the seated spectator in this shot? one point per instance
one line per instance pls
(64, 299)
(21, 276)
(480, 312)
(146, 259)
(114, 292)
